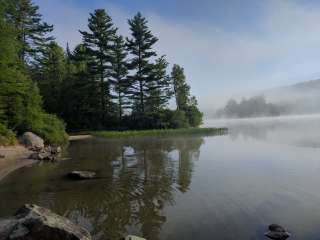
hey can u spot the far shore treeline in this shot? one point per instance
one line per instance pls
(107, 82)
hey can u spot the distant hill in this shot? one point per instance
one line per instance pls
(300, 98)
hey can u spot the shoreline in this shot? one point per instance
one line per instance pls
(15, 157)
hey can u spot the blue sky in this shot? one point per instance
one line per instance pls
(229, 48)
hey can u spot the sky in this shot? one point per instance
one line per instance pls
(228, 48)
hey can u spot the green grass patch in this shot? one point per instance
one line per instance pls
(161, 132)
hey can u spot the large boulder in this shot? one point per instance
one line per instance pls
(32, 141)
(81, 175)
(32, 222)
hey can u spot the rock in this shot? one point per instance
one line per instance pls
(277, 232)
(34, 156)
(32, 141)
(43, 155)
(2, 156)
(56, 150)
(81, 175)
(32, 222)
(46, 154)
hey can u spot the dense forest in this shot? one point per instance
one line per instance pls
(108, 81)
(252, 107)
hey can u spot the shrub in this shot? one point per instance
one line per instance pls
(179, 120)
(7, 137)
(50, 128)
(194, 116)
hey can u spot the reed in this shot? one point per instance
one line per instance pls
(161, 132)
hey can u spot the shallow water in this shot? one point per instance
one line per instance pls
(220, 187)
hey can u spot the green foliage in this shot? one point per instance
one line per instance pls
(185, 103)
(50, 74)
(194, 116)
(161, 132)
(49, 127)
(181, 88)
(119, 75)
(148, 80)
(7, 137)
(20, 101)
(105, 83)
(99, 44)
(31, 30)
(178, 120)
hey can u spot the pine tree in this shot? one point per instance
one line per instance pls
(99, 44)
(32, 31)
(140, 46)
(181, 88)
(159, 89)
(52, 71)
(79, 98)
(185, 103)
(119, 74)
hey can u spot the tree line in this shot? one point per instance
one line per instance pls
(108, 81)
(252, 107)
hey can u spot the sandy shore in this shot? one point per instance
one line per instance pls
(15, 157)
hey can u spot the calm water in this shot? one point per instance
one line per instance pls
(223, 187)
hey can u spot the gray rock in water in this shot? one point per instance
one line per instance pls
(34, 156)
(44, 155)
(81, 175)
(277, 232)
(32, 222)
(32, 141)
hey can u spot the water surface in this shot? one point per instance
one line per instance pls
(220, 187)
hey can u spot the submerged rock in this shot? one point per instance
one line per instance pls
(81, 175)
(32, 141)
(32, 222)
(277, 232)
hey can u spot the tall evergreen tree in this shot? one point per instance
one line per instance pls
(119, 74)
(79, 92)
(180, 86)
(159, 88)
(140, 46)
(99, 43)
(186, 103)
(32, 31)
(52, 71)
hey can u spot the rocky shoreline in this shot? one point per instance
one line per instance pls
(31, 150)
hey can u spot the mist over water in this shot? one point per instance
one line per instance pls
(264, 171)
(295, 130)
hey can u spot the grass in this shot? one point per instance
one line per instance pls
(161, 132)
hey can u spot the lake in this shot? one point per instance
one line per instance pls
(186, 187)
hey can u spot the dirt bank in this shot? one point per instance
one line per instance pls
(13, 158)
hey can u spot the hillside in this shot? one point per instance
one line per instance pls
(300, 98)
